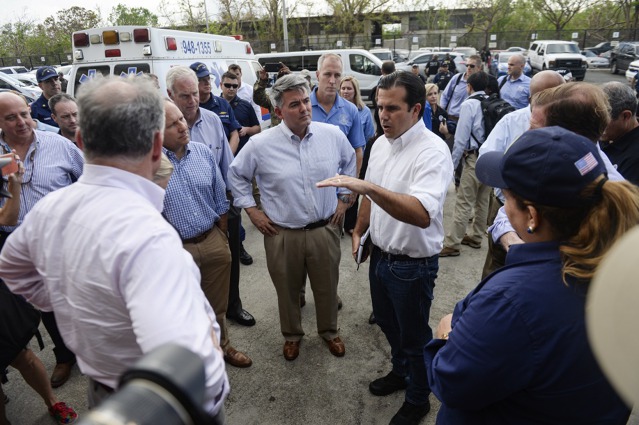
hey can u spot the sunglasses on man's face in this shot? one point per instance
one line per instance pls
(231, 86)
(471, 65)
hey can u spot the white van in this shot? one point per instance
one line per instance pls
(359, 63)
(123, 50)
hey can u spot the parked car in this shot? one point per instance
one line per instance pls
(600, 48)
(595, 61)
(517, 50)
(558, 55)
(14, 69)
(467, 51)
(621, 56)
(8, 82)
(382, 54)
(423, 59)
(26, 78)
(28, 98)
(632, 70)
(499, 64)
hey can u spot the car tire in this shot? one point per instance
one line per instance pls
(613, 67)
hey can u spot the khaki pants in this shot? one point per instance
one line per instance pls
(213, 257)
(290, 256)
(470, 194)
(496, 255)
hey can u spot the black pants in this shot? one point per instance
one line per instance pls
(60, 350)
(235, 303)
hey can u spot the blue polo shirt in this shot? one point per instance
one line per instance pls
(41, 112)
(516, 92)
(222, 109)
(245, 115)
(344, 115)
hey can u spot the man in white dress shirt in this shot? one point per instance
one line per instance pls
(404, 192)
(100, 254)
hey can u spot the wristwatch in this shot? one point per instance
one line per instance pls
(344, 198)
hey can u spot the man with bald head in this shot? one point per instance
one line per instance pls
(51, 162)
(506, 131)
(514, 88)
(100, 254)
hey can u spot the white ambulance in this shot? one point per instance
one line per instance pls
(125, 50)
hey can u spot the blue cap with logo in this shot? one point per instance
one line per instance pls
(201, 70)
(45, 73)
(550, 166)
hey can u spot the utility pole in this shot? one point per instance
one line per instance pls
(285, 24)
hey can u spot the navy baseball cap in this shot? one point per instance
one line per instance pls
(550, 166)
(201, 70)
(45, 73)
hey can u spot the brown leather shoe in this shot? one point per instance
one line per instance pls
(61, 374)
(237, 358)
(291, 350)
(336, 346)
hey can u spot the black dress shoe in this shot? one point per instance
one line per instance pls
(243, 318)
(372, 320)
(410, 414)
(245, 257)
(387, 385)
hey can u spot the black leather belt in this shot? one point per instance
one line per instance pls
(199, 238)
(395, 257)
(311, 226)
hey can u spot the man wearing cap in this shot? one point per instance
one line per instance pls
(217, 105)
(300, 227)
(64, 112)
(49, 83)
(51, 162)
(415, 71)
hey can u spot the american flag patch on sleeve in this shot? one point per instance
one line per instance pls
(586, 164)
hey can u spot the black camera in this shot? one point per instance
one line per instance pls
(166, 386)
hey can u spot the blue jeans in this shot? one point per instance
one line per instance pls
(402, 293)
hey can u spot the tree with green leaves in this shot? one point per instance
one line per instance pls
(349, 15)
(123, 15)
(560, 12)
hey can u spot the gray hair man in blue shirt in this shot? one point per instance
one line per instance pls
(300, 227)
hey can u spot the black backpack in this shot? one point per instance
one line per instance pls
(493, 109)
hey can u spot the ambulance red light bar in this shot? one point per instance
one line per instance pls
(170, 43)
(112, 53)
(80, 39)
(238, 37)
(141, 35)
(248, 49)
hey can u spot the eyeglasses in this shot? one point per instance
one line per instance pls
(470, 65)
(29, 169)
(231, 86)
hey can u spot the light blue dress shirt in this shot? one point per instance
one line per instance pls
(208, 129)
(451, 99)
(343, 114)
(516, 92)
(366, 118)
(471, 123)
(287, 169)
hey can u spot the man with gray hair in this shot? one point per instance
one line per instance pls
(621, 137)
(301, 235)
(64, 111)
(514, 87)
(100, 254)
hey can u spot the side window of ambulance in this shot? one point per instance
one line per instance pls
(131, 68)
(85, 73)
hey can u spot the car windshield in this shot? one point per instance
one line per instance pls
(562, 48)
(589, 54)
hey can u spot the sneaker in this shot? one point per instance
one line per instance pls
(245, 257)
(410, 414)
(387, 384)
(449, 252)
(471, 243)
(62, 413)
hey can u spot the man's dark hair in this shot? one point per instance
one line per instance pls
(60, 97)
(478, 81)
(235, 67)
(229, 75)
(388, 67)
(493, 85)
(415, 90)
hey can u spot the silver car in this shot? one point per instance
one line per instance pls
(423, 59)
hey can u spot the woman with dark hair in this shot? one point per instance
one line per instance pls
(516, 351)
(439, 115)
